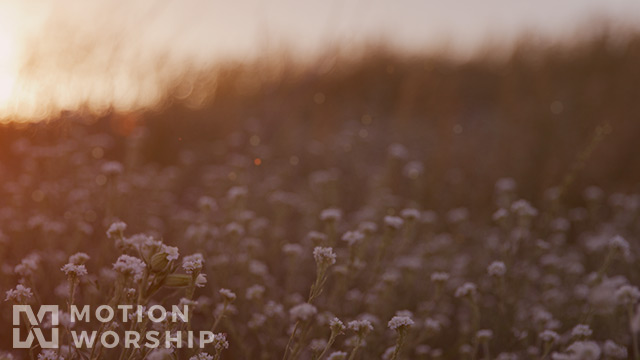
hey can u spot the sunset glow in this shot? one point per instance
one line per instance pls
(124, 55)
(7, 66)
(319, 180)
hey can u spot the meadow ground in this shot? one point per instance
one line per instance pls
(395, 207)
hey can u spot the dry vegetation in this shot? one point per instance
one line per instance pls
(438, 209)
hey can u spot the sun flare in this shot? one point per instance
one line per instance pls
(7, 64)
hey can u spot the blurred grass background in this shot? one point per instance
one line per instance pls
(529, 115)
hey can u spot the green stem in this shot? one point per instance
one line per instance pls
(634, 338)
(332, 338)
(293, 334)
(355, 349)
(399, 343)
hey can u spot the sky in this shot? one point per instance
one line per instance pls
(61, 54)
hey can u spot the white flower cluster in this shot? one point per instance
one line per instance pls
(324, 256)
(130, 266)
(302, 312)
(399, 323)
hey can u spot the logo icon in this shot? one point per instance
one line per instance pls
(18, 310)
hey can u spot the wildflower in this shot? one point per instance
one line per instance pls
(500, 215)
(331, 215)
(24, 269)
(116, 229)
(542, 318)
(620, 245)
(324, 256)
(391, 276)
(193, 263)
(224, 309)
(336, 326)
(484, 335)
(6, 356)
(581, 331)
(337, 355)
(393, 222)
(234, 229)
(293, 250)
(207, 204)
(256, 321)
(255, 292)
(302, 312)
(466, 290)
(228, 295)
(410, 214)
(188, 302)
(20, 294)
(316, 237)
(74, 271)
(505, 185)
(220, 342)
(130, 266)
(522, 208)
(141, 240)
(49, 355)
(439, 277)
(112, 168)
(400, 323)
(497, 269)
(272, 309)
(361, 327)
(161, 259)
(389, 353)
(64, 319)
(171, 252)
(368, 227)
(406, 313)
(627, 295)
(585, 350)
(201, 280)
(237, 192)
(201, 356)
(352, 237)
(613, 350)
(432, 326)
(28, 266)
(549, 336)
(78, 258)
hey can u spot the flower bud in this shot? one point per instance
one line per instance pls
(178, 280)
(159, 262)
